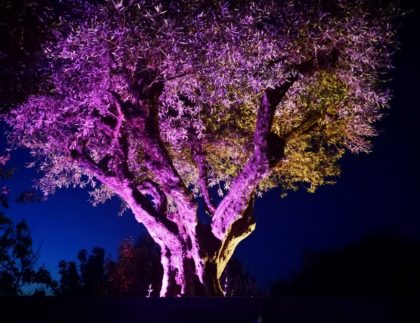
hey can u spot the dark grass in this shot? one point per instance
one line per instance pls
(202, 310)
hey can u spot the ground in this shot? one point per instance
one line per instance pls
(202, 310)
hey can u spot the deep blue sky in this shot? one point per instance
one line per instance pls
(376, 192)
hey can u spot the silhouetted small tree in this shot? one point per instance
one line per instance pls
(378, 265)
(17, 259)
(137, 269)
(70, 284)
(92, 271)
(90, 279)
(236, 281)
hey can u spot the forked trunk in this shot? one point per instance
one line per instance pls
(188, 276)
(193, 254)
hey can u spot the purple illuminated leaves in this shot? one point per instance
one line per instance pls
(215, 59)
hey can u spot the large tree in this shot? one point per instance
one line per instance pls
(163, 103)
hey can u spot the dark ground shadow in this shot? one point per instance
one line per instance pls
(202, 310)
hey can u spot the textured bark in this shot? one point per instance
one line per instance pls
(181, 277)
(140, 106)
(233, 219)
(193, 255)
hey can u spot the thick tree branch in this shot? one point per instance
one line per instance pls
(160, 165)
(306, 125)
(264, 157)
(146, 205)
(128, 191)
(145, 85)
(146, 130)
(143, 126)
(85, 161)
(119, 117)
(241, 229)
(164, 173)
(237, 200)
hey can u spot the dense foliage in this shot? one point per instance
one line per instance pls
(18, 260)
(158, 101)
(214, 60)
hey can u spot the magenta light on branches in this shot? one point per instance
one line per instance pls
(158, 101)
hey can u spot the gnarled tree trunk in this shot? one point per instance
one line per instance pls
(194, 261)
(193, 254)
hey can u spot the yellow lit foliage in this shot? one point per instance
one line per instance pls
(311, 157)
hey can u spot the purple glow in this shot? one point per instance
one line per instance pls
(156, 107)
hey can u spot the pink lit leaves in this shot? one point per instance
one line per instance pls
(159, 99)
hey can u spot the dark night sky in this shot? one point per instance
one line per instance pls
(376, 192)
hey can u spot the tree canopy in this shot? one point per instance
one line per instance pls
(209, 62)
(158, 101)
